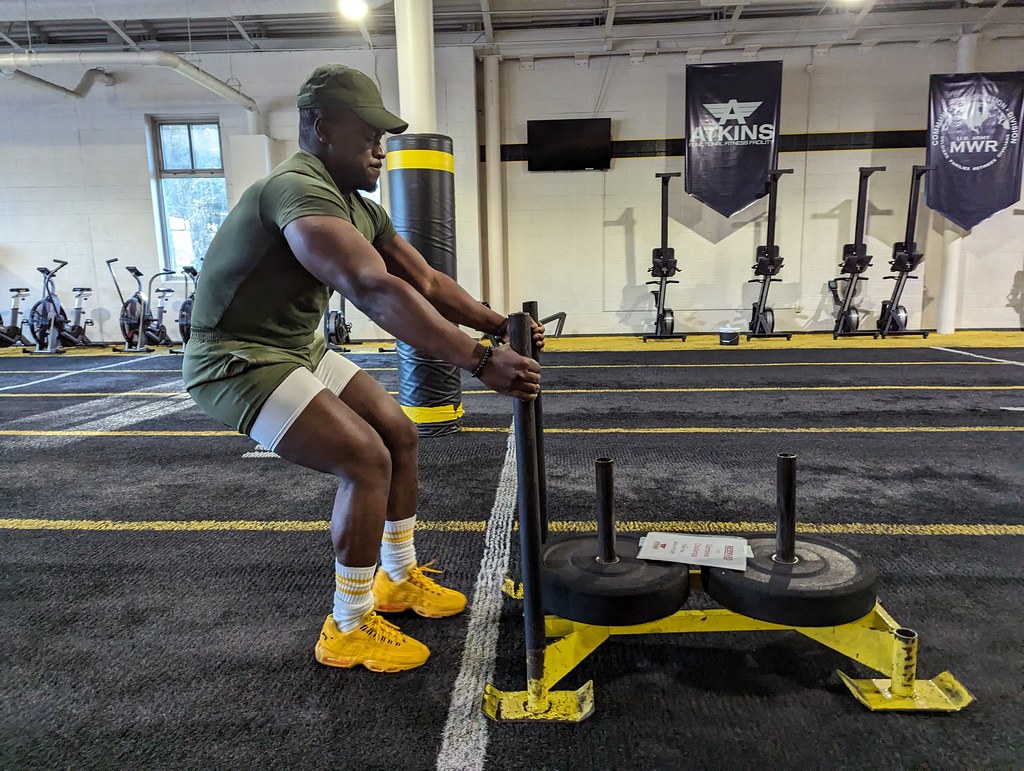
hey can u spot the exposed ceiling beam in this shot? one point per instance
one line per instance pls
(485, 10)
(609, 20)
(733, 21)
(122, 34)
(34, 34)
(775, 32)
(366, 34)
(10, 42)
(988, 15)
(241, 31)
(855, 27)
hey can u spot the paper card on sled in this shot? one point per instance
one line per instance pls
(716, 551)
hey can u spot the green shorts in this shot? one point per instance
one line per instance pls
(231, 379)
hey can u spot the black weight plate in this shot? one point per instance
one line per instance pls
(769, 320)
(631, 591)
(829, 584)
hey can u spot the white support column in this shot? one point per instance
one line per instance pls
(949, 292)
(414, 34)
(495, 265)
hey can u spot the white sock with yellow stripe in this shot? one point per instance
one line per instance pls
(353, 595)
(397, 551)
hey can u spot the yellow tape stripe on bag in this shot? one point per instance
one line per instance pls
(421, 159)
(444, 414)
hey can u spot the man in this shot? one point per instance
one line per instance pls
(255, 363)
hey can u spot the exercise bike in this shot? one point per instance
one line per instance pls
(136, 313)
(663, 267)
(337, 331)
(769, 263)
(185, 311)
(856, 260)
(892, 320)
(48, 321)
(12, 333)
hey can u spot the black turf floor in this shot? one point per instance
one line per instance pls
(185, 644)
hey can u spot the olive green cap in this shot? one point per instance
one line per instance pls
(335, 85)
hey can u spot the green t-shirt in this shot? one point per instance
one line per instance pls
(252, 288)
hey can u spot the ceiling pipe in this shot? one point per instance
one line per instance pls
(139, 58)
(83, 88)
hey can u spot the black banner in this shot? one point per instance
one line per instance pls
(732, 126)
(974, 144)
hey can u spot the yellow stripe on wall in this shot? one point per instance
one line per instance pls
(421, 159)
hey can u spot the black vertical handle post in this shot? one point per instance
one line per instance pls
(773, 188)
(915, 187)
(604, 468)
(525, 429)
(530, 307)
(664, 210)
(862, 201)
(785, 508)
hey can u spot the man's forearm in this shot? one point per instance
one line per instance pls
(458, 306)
(405, 313)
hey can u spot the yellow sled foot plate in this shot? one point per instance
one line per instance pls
(563, 706)
(940, 694)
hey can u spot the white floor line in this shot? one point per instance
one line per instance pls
(110, 413)
(260, 452)
(74, 372)
(978, 356)
(464, 743)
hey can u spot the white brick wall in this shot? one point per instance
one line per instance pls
(581, 241)
(75, 179)
(75, 184)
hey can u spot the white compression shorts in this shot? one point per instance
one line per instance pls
(295, 393)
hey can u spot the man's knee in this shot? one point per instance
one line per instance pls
(365, 461)
(403, 439)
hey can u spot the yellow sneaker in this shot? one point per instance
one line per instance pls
(376, 644)
(418, 592)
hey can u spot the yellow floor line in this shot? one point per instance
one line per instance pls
(638, 365)
(570, 391)
(697, 341)
(759, 389)
(609, 430)
(720, 365)
(471, 526)
(801, 340)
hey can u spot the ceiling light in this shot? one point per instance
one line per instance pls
(353, 9)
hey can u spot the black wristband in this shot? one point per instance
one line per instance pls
(488, 352)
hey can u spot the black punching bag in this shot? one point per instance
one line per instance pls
(421, 188)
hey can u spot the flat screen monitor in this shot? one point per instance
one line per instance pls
(572, 144)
